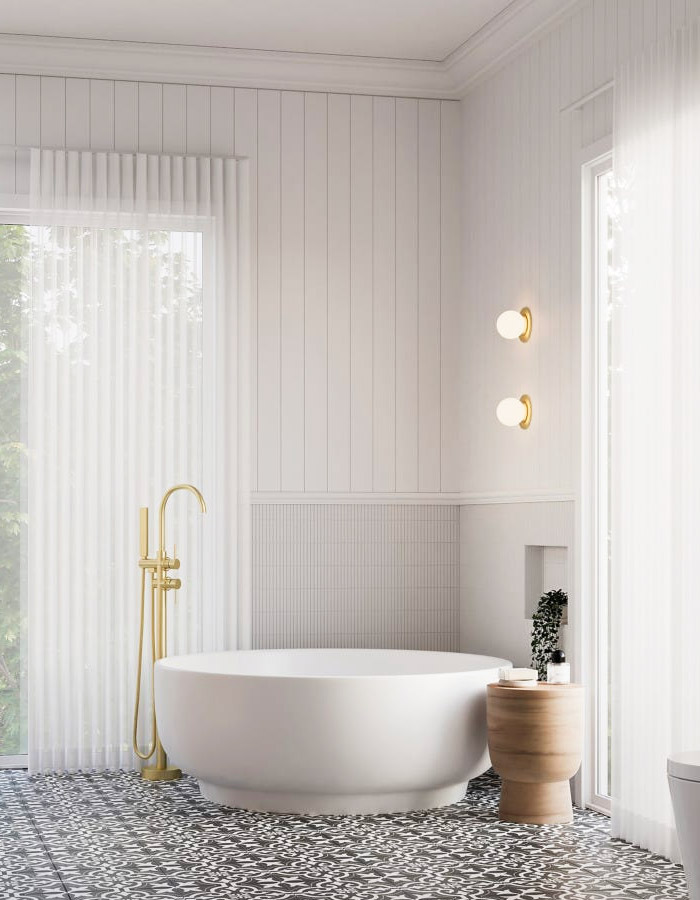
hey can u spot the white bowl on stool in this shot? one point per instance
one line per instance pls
(684, 782)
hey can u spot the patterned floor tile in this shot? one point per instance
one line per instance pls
(26, 870)
(116, 837)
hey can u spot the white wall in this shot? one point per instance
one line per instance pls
(493, 538)
(521, 241)
(356, 260)
(356, 242)
(522, 245)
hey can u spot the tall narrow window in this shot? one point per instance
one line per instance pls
(123, 342)
(14, 250)
(598, 494)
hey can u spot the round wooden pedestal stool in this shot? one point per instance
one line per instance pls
(535, 741)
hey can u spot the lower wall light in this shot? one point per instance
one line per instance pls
(513, 411)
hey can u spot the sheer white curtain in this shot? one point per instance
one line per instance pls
(656, 434)
(136, 358)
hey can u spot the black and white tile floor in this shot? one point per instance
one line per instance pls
(115, 837)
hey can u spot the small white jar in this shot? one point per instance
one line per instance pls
(558, 669)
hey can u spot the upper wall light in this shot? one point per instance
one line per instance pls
(515, 411)
(512, 324)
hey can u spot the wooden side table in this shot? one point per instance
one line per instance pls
(535, 741)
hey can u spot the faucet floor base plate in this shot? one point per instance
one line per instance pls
(153, 773)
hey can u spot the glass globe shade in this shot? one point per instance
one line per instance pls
(511, 324)
(511, 411)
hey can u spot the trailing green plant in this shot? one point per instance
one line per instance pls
(545, 629)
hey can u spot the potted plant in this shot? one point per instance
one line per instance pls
(546, 623)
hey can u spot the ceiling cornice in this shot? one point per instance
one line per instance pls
(521, 23)
(79, 57)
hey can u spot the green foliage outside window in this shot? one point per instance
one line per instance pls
(14, 244)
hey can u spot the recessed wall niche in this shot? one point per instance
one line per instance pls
(546, 569)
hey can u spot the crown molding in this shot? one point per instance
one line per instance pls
(170, 63)
(520, 24)
(506, 35)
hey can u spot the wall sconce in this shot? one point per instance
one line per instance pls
(512, 324)
(513, 411)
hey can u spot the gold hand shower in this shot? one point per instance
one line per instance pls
(161, 583)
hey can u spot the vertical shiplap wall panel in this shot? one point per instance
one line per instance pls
(78, 110)
(588, 44)
(27, 124)
(7, 131)
(407, 421)
(450, 294)
(53, 112)
(245, 111)
(429, 295)
(545, 296)
(384, 294)
(316, 349)
(339, 316)
(222, 121)
(269, 285)
(126, 116)
(521, 166)
(678, 13)
(361, 299)
(601, 38)
(150, 117)
(624, 14)
(335, 276)
(174, 118)
(198, 119)
(102, 115)
(663, 16)
(292, 313)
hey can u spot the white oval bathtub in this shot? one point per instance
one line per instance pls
(327, 731)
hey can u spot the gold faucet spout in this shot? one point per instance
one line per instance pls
(166, 496)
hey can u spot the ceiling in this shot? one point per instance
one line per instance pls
(402, 29)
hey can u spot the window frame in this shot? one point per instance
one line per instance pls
(14, 216)
(595, 163)
(21, 215)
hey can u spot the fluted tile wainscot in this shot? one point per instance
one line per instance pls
(356, 575)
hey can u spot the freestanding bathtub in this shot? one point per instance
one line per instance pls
(327, 731)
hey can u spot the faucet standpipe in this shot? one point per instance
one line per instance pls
(161, 582)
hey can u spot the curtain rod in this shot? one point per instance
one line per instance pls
(27, 147)
(591, 95)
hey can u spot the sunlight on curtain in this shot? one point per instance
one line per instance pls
(131, 388)
(656, 441)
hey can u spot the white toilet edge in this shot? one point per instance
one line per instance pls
(684, 765)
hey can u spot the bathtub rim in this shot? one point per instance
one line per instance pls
(175, 664)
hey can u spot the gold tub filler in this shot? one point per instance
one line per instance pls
(161, 582)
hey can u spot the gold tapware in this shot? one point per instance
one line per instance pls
(159, 567)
